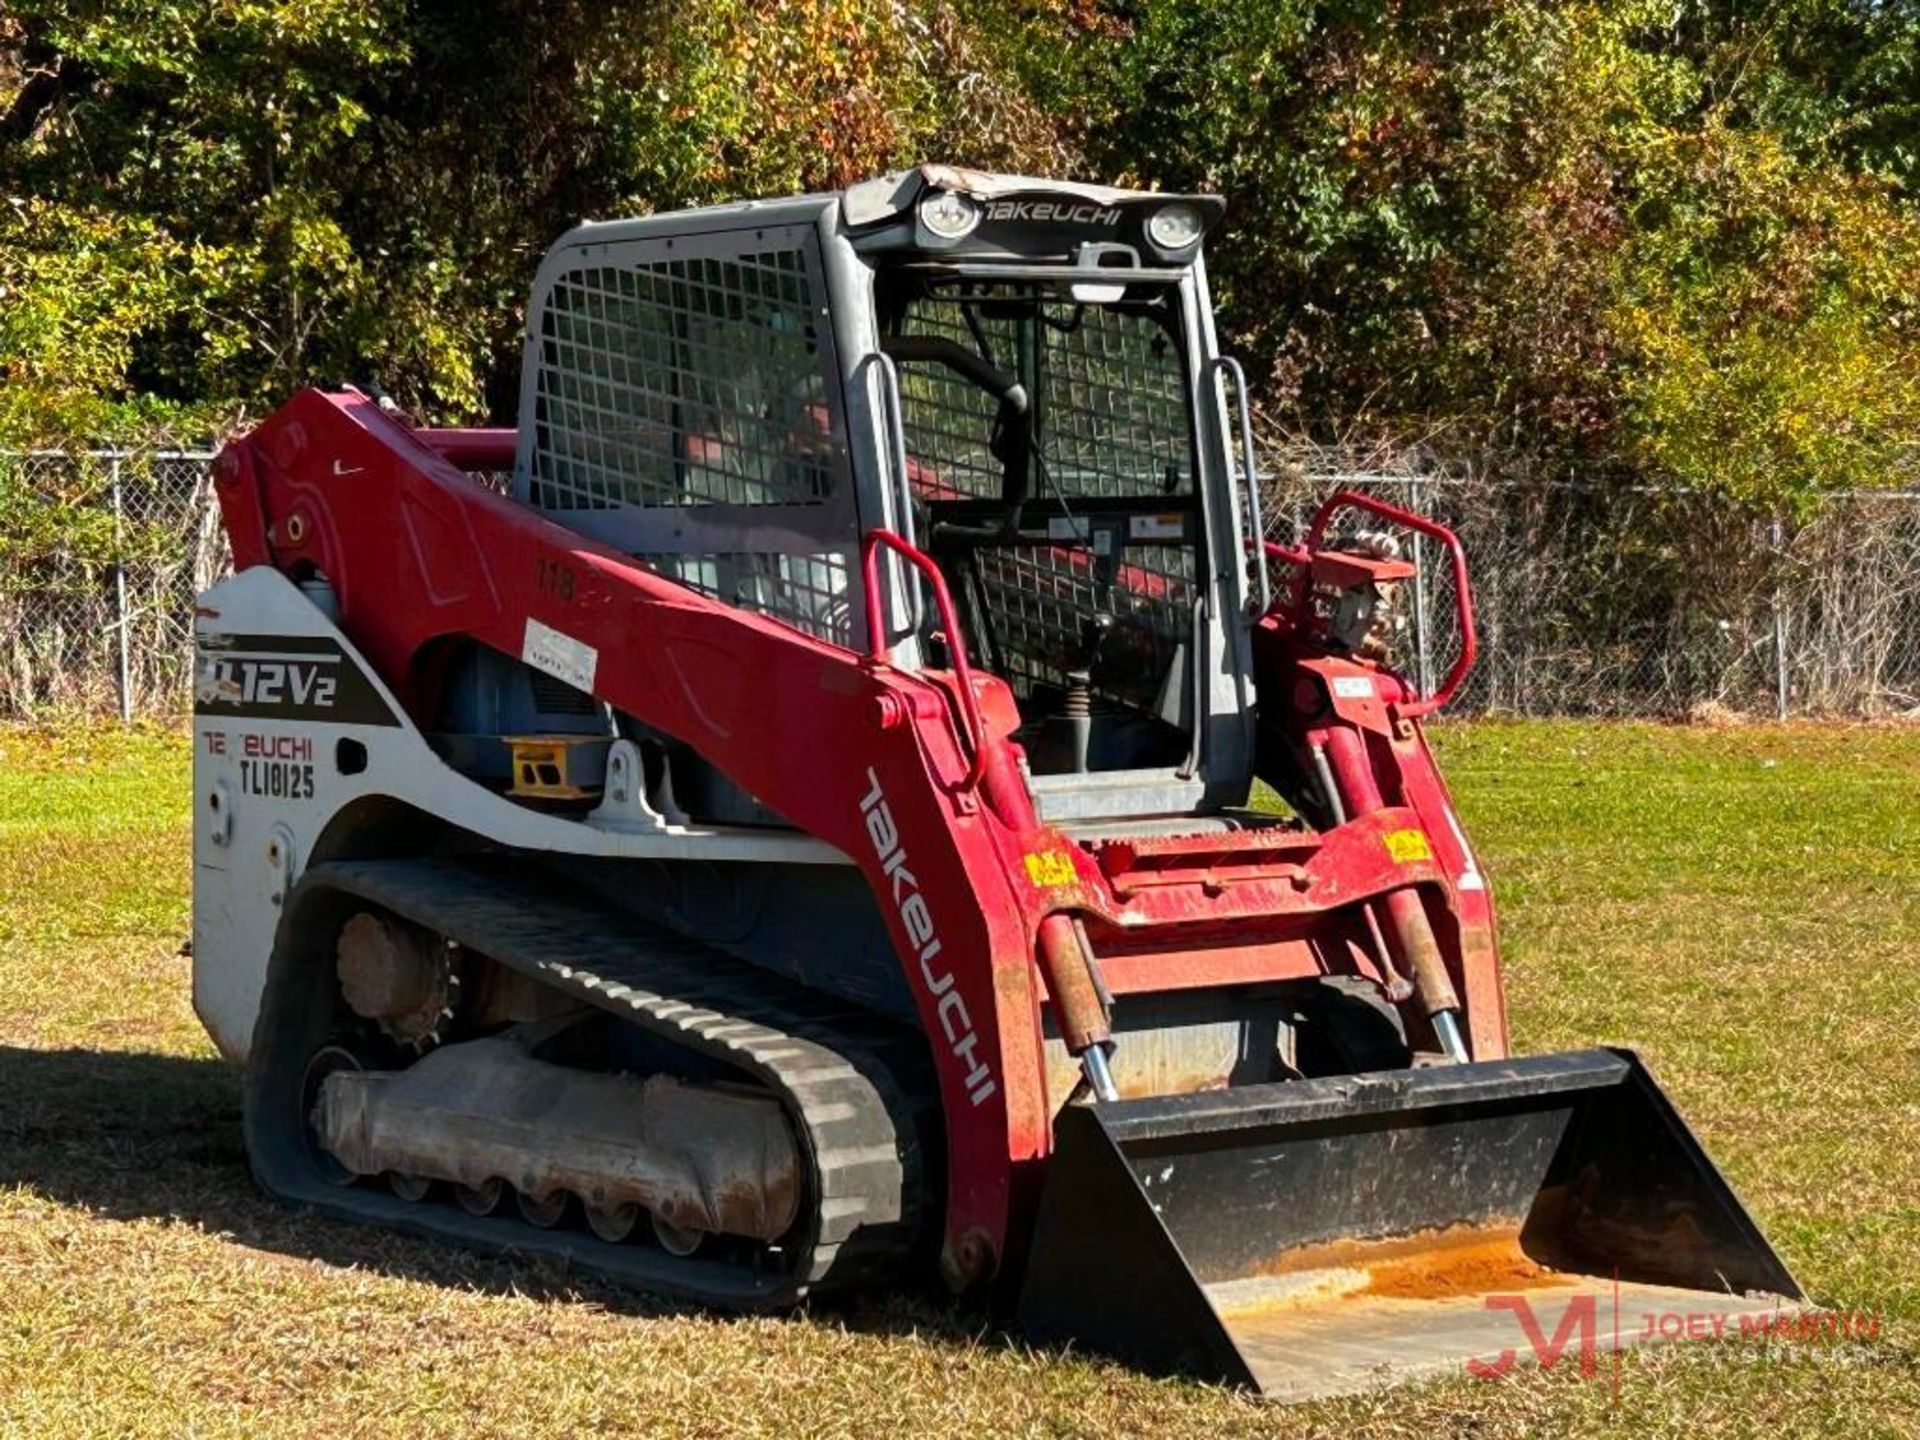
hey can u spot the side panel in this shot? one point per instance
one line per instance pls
(292, 728)
(278, 706)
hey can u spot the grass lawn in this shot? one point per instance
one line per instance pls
(1742, 905)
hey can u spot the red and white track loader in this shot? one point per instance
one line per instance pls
(843, 791)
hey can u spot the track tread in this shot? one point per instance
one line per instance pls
(857, 1123)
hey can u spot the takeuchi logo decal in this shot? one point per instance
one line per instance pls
(916, 918)
(1052, 212)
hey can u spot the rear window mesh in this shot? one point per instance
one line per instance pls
(683, 382)
(810, 592)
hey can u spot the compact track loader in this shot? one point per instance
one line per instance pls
(845, 791)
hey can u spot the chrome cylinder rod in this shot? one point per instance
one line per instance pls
(1093, 1063)
(1446, 1025)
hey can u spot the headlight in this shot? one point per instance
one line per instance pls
(1175, 227)
(949, 215)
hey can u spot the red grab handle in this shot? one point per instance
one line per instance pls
(871, 545)
(1462, 593)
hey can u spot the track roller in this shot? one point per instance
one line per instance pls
(677, 1239)
(409, 1187)
(613, 1223)
(544, 1212)
(482, 1199)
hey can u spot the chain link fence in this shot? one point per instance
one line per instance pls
(101, 554)
(1588, 601)
(1642, 601)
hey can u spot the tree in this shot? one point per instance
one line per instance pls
(1661, 242)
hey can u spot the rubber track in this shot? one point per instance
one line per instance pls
(827, 1062)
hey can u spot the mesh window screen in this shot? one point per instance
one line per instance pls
(1112, 397)
(1037, 599)
(683, 382)
(808, 591)
(1112, 401)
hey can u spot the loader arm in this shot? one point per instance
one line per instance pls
(331, 485)
(964, 874)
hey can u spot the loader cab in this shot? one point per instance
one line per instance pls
(1017, 376)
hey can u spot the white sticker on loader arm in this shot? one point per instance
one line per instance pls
(560, 655)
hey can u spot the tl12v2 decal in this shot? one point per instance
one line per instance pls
(284, 677)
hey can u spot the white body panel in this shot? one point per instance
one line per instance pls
(269, 778)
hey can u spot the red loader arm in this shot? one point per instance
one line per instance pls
(912, 775)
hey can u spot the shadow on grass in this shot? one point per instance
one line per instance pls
(137, 1136)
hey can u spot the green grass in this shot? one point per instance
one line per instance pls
(1741, 905)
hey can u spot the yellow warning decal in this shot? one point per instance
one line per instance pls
(1404, 846)
(1050, 869)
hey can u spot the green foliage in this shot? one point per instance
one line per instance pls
(1656, 242)
(79, 288)
(1769, 316)
(192, 150)
(1672, 245)
(45, 537)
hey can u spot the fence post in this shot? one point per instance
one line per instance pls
(123, 669)
(1423, 662)
(1776, 533)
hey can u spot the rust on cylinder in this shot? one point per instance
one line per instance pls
(1068, 966)
(709, 1157)
(1414, 931)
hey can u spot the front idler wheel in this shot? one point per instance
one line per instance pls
(327, 1060)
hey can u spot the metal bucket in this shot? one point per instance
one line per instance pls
(1326, 1236)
